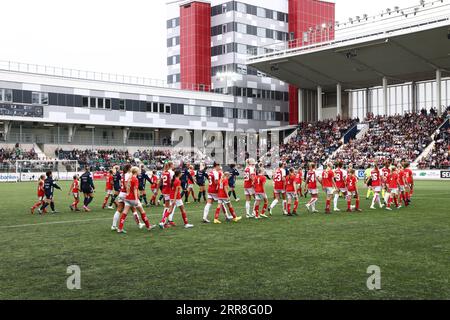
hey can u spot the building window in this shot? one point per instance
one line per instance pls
(107, 103)
(93, 102)
(100, 103)
(261, 32)
(85, 102)
(122, 105)
(241, 7)
(261, 12)
(35, 98)
(167, 108)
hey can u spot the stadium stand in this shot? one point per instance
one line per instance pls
(315, 142)
(395, 137)
(439, 157)
(17, 153)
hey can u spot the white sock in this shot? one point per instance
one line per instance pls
(116, 219)
(172, 213)
(335, 201)
(206, 211)
(386, 197)
(284, 205)
(247, 207)
(313, 204)
(375, 199)
(274, 203)
(229, 216)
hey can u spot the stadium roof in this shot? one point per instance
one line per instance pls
(409, 53)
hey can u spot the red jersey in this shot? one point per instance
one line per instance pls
(249, 176)
(393, 180)
(40, 188)
(154, 182)
(260, 181)
(278, 179)
(311, 179)
(351, 183)
(339, 177)
(166, 178)
(213, 181)
(385, 172)
(134, 184)
(376, 178)
(327, 178)
(109, 181)
(192, 174)
(221, 192)
(176, 184)
(298, 178)
(290, 181)
(401, 176)
(75, 186)
(408, 175)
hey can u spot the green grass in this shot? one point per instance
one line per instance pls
(309, 257)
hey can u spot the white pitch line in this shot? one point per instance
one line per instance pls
(50, 223)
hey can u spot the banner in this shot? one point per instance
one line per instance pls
(8, 177)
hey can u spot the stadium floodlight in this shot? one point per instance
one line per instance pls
(388, 11)
(350, 20)
(396, 8)
(416, 10)
(422, 3)
(365, 16)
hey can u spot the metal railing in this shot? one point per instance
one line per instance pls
(14, 66)
(278, 49)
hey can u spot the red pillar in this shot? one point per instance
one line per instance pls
(195, 46)
(304, 14)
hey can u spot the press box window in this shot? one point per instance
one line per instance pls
(107, 103)
(85, 102)
(122, 105)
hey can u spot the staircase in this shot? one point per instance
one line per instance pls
(430, 148)
(41, 155)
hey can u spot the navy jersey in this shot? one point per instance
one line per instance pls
(49, 186)
(201, 177)
(143, 178)
(116, 180)
(233, 174)
(86, 182)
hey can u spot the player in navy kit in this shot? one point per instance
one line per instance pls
(49, 187)
(200, 177)
(87, 187)
(142, 179)
(232, 181)
(116, 185)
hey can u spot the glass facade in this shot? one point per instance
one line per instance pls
(400, 99)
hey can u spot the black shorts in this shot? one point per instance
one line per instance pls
(201, 184)
(117, 189)
(87, 190)
(141, 188)
(49, 196)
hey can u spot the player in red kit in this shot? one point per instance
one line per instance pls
(393, 187)
(40, 194)
(402, 184)
(375, 176)
(340, 177)
(154, 187)
(214, 176)
(385, 172)
(291, 193)
(249, 190)
(75, 192)
(351, 182)
(109, 187)
(328, 185)
(279, 187)
(166, 179)
(311, 185)
(223, 200)
(176, 202)
(260, 194)
(409, 179)
(132, 201)
(299, 182)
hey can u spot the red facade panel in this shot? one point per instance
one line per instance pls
(303, 15)
(195, 46)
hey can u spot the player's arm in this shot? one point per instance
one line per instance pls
(56, 186)
(91, 182)
(71, 188)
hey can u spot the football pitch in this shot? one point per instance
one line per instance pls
(307, 257)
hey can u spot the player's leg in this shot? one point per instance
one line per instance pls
(207, 208)
(274, 202)
(123, 217)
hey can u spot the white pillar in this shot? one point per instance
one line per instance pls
(350, 105)
(319, 103)
(339, 100)
(385, 96)
(439, 91)
(300, 105)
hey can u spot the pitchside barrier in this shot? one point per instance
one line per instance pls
(442, 175)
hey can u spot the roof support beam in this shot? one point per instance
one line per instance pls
(315, 71)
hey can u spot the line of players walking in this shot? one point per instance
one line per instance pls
(126, 191)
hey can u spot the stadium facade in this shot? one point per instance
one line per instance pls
(208, 43)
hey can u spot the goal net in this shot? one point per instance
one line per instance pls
(30, 170)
